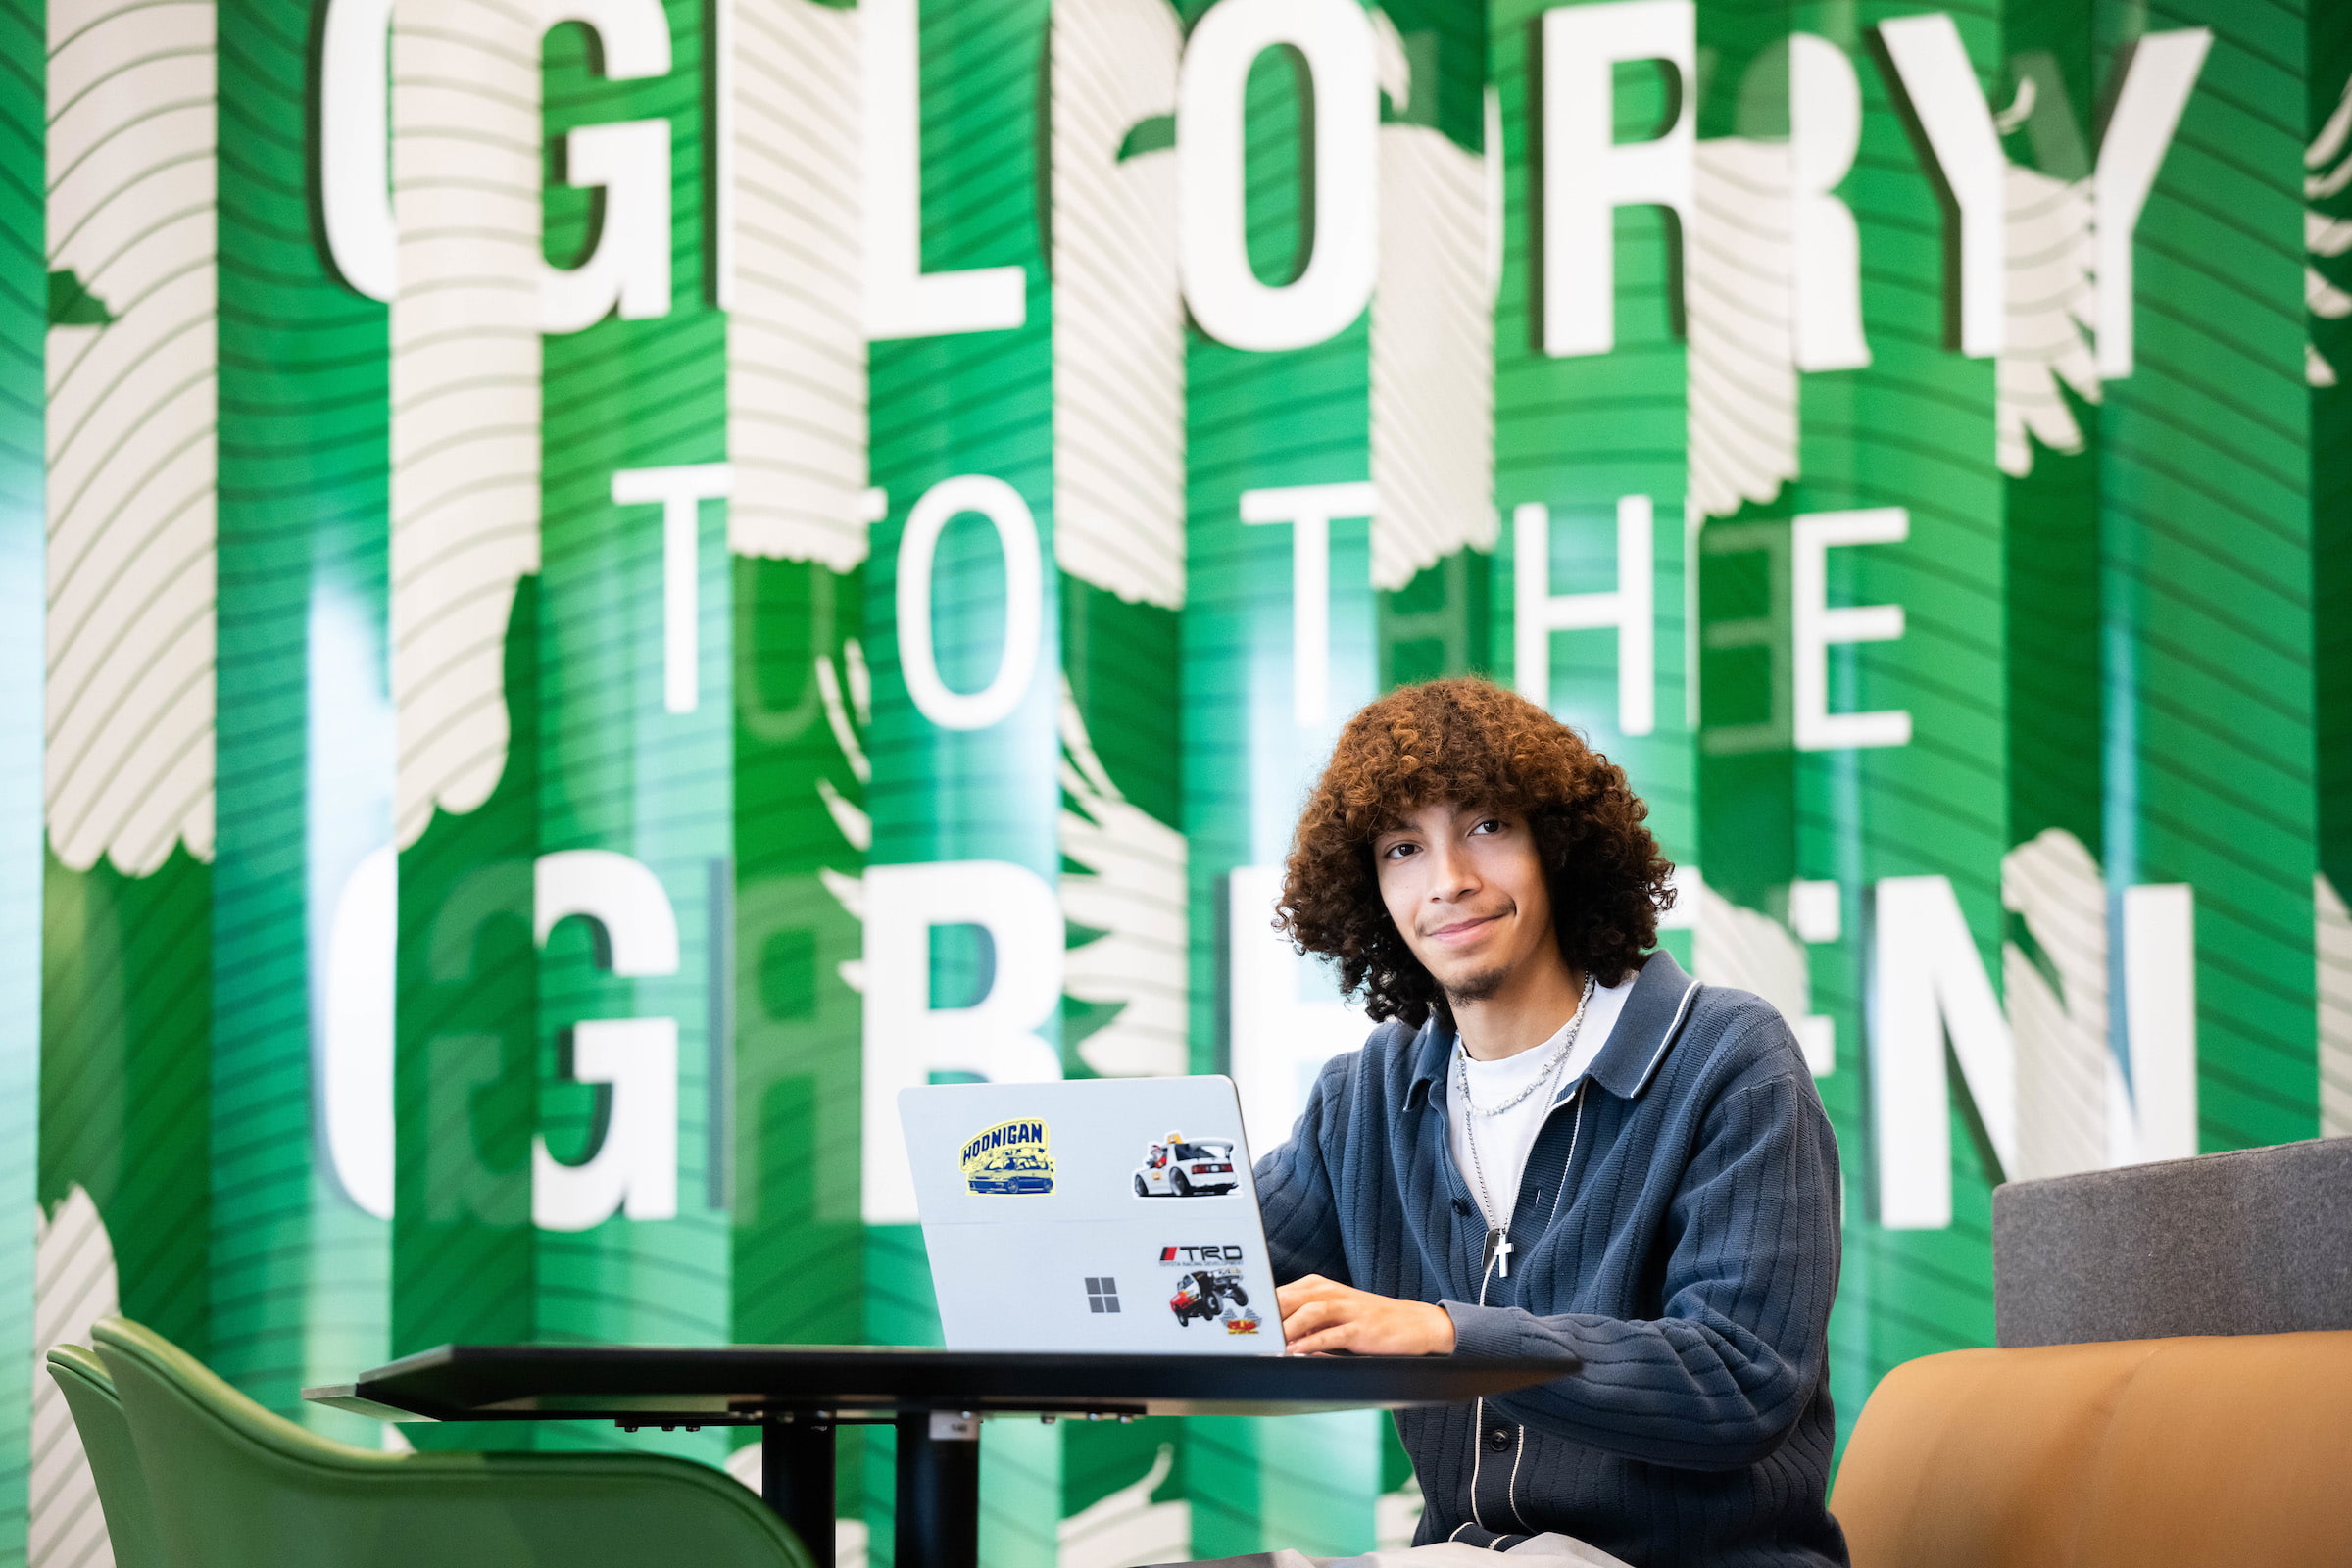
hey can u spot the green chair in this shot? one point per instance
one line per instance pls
(234, 1485)
(105, 1443)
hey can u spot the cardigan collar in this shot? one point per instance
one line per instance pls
(1653, 1017)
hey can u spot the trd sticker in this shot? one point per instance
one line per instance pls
(1214, 1296)
(1194, 1257)
(1178, 1166)
(1010, 1158)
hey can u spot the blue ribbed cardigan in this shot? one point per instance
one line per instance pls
(1677, 1249)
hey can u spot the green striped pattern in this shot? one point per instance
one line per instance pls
(1576, 434)
(126, 1076)
(23, 592)
(616, 772)
(1914, 429)
(2328, 80)
(973, 403)
(799, 1249)
(299, 1276)
(2206, 538)
(467, 1063)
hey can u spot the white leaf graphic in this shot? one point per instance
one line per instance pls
(131, 424)
(465, 360)
(1119, 311)
(796, 333)
(73, 1285)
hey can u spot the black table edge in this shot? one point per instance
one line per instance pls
(742, 1384)
(347, 1396)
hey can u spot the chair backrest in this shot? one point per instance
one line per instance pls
(234, 1485)
(114, 1459)
(2130, 1453)
(2163, 1250)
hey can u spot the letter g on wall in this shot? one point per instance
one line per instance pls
(629, 160)
(634, 1169)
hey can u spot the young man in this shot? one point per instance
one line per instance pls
(1555, 1144)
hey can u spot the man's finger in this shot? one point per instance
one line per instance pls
(1300, 1303)
(1307, 1288)
(1308, 1317)
(1336, 1336)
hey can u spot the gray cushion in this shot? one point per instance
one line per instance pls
(2254, 1241)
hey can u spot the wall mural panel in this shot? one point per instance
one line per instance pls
(590, 587)
(24, 1197)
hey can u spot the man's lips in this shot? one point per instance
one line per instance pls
(1461, 930)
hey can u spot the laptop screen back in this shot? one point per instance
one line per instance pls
(1093, 1214)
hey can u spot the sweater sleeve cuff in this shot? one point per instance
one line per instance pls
(1490, 1331)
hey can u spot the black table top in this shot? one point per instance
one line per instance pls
(746, 1382)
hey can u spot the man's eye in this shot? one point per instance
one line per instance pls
(1396, 851)
(1490, 825)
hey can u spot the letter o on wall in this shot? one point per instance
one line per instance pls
(1024, 600)
(1226, 297)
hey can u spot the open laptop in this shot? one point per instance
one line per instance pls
(1092, 1214)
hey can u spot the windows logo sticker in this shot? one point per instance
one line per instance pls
(1101, 1293)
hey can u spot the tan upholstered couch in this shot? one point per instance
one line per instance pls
(2226, 1452)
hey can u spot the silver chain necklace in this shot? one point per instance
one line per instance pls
(1498, 1237)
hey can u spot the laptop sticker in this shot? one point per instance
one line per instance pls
(1216, 1296)
(1008, 1159)
(1210, 1287)
(1178, 1166)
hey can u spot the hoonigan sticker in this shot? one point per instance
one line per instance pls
(1010, 1158)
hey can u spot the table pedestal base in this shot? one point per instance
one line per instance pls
(938, 1491)
(796, 1478)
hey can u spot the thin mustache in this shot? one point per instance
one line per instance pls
(1474, 919)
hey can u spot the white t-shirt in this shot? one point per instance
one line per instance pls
(1503, 1140)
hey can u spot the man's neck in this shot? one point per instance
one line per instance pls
(1530, 1006)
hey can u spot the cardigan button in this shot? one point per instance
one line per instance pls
(1498, 1438)
(1461, 1208)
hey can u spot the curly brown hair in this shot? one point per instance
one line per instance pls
(1469, 740)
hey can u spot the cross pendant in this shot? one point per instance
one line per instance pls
(1500, 1249)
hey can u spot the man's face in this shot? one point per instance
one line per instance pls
(1466, 889)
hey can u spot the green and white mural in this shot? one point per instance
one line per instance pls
(589, 587)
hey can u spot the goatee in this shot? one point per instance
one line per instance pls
(1475, 988)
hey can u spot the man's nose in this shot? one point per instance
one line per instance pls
(1452, 876)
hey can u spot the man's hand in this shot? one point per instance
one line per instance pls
(1320, 1317)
